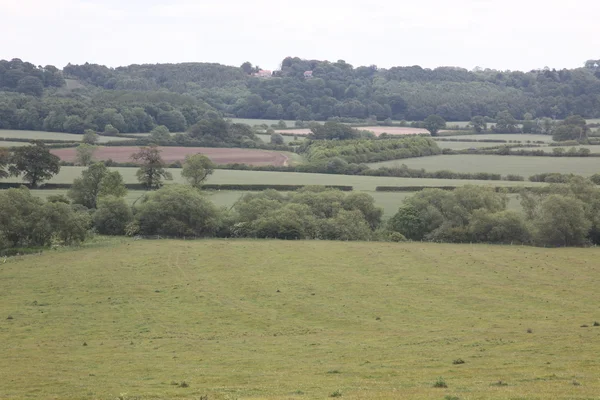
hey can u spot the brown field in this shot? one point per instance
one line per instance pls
(172, 154)
(377, 130)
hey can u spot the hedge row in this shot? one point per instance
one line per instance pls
(506, 189)
(139, 186)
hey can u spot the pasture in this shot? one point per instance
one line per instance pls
(548, 149)
(42, 135)
(6, 143)
(172, 154)
(520, 165)
(242, 319)
(522, 137)
(286, 138)
(465, 145)
(363, 183)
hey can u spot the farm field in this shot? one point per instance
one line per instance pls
(465, 145)
(377, 130)
(264, 320)
(286, 138)
(548, 149)
(523, 137)
(42, 135)
(171, 154)
(5, 143)
(363, 183)
(520, 165)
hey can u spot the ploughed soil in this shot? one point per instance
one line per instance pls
(171, 154)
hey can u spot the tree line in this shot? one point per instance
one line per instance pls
(136, 98)
(339, 90)
(560, 215)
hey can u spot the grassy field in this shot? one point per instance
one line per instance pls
(465, 145)
(286, 139)
(523, 137)
(5, 143)
(365, 183)
(548, 149)
(264, 320)
(520, 165)
(40, 135)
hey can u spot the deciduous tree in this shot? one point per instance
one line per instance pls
(433, 124)
(35, 163)
(196, 168)
(152, 167)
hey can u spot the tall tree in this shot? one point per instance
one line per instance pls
(84, 154)
(95, 182)
(34, 162)
(152, 167)
(434, 123)
(196, 168)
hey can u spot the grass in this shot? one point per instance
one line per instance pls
(465, 145)
(5, 143)
(548, 149)
(41, 135)
(520, 165)
(364, 183)
(208, 313)
(286, 138)
(523, 137)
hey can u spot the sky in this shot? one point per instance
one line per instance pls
(508, 34)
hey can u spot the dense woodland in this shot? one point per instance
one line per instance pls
(137, 98)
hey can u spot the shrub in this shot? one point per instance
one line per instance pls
(440, 383)
(337, 393)
(177, 210)
(112, 216)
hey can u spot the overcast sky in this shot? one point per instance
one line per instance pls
(508, 34)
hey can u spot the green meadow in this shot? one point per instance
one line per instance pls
(239, 319)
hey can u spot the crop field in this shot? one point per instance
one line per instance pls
(40, 135)
(522, 137)
(363, 183)
(171, 154)
(520, 165)
(240, 319)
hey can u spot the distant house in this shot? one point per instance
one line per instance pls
(308, 74)
(263, 73)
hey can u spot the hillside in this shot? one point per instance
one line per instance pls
(136, 98)
(259, 319)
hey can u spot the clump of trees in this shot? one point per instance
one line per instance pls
(310, 213)
(28, 221)
(559, 215)
(368, 150)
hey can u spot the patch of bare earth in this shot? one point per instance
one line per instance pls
(123, 154)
